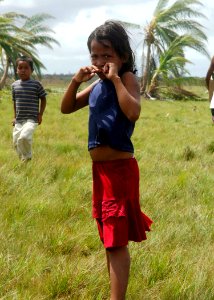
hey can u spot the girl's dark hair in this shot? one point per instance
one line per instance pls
(27, 59)
(115, 33)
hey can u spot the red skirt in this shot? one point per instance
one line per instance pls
(116, 204)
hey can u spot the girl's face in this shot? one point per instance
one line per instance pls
(102, 54)
(24, 70)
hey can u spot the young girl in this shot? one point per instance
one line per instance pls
(114, 104)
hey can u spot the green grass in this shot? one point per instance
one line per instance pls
(49, 243)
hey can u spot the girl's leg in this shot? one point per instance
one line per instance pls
(118, 261)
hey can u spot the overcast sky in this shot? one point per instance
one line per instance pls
(75, 19)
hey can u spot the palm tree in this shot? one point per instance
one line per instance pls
(16, 41)
(166, 25)
(172, 62)
(9, 43)
(35, 33)
(40, 35)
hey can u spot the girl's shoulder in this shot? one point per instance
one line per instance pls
(128, 74)
(129, 77)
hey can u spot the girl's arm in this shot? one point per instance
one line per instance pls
(127, 89)
(209, 73)
(128, 93)
(74, 100)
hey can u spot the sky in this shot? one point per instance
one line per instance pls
(74, 20)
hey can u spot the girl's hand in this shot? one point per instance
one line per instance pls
(85, 73)
(110, 70)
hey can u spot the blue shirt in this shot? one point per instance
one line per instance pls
(108, 125)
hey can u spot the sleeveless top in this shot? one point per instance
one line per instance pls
(108, 125)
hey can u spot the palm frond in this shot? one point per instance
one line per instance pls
(35, 20)
(160, 6)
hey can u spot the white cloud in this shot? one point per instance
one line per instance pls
(19, 3)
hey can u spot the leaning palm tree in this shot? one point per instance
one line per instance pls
(16, 41)
(10, 42)
(166, 25)
(35, 33)
(172, 62)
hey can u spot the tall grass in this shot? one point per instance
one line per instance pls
(49, 243)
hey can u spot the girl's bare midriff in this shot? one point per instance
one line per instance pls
(103, 153)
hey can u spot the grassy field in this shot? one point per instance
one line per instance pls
(49, 245)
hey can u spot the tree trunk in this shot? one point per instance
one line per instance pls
(153, 84)
(146, 70)
(4, 76)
